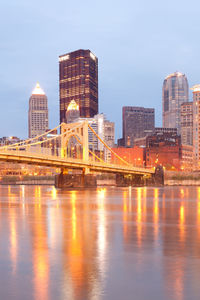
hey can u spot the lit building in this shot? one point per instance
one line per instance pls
(137, 122)
(72, 112)
(187, 123)
(109, 137)
(196, 124)
(186, 157)
(105, 130)
(174, 93)
(164, 149)
(134, 156)
(4, 141)
(78, 81)
(38, 121)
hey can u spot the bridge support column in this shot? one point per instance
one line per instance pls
(129, 180)
(75, 180)
(158, 177)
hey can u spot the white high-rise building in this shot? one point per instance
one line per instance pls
(38, 121)
(174, 93)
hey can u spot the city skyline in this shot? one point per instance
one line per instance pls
(133, 60)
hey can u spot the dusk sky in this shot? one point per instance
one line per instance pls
(137, 43)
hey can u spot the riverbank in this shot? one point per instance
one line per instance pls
(27, 180)
(173, 178)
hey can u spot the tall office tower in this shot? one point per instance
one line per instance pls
(38, 121)
(174, 93)
(187, 123)
(78, 81)
(196, 125)
(137, 122)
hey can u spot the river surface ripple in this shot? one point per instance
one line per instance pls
(105, 243)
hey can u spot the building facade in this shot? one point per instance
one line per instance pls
(164, 148)
(174, 93)
(72, 112)
(196, 125)
(78, 81)
(187, 123)
(137, 122)
(38, 121)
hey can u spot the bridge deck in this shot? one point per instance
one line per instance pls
(54, 161)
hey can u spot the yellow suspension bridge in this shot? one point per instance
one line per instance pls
(73, 148)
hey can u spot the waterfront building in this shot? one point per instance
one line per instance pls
(186, 157)
(78, 81)
(135, 156)
(174, 93)
(187, 123)
(196, 125)
(137, 122)
(38, 121)
(164, 149)
(4, 141)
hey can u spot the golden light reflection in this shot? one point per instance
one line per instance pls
(139, 215)
(178, 281)
(156, 212)
(40, 257)
(75, 248)
(54, 193)
(181, 222)
(11, 196)
(13, 240)
(102, 232)
(125, 215)
(22, 196)
(198, 212)
(101, 193)
(144, 203)
(73, 203)
(182, 193)
(38, 196)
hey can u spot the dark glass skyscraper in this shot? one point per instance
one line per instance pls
(137, 122)
(78, 81)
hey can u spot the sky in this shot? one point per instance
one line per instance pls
(138, 43)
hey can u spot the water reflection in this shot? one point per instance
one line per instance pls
(89, 244)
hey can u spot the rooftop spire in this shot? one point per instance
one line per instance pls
(37, 90)
(73, 106)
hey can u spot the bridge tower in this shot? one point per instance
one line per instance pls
(80, 132)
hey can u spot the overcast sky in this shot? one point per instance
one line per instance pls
(137, 43)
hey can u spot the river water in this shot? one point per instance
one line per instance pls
(106, 243)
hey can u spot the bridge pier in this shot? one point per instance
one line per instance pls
(129, 180)
(156, 179)
(75, 180)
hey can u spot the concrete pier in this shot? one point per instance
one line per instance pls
(75, 180)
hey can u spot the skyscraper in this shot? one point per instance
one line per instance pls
(38, 121)
(137, 122)
(187, 123)
(196, 124)
(78, 81)
(174, 93)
